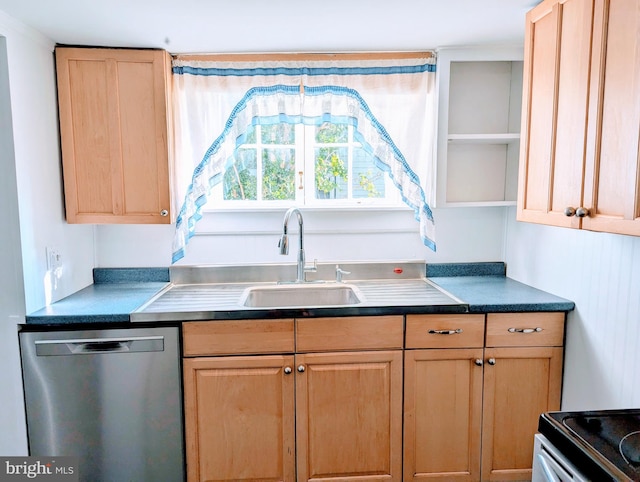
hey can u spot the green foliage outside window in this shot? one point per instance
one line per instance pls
(278, 175)
(240, 178)
(331, 166)
(330, 170)
(329, 133)
(367, 181)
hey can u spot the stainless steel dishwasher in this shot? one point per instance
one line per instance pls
(112, 398)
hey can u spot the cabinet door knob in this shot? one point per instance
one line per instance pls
(491, 361)
(301, 368)
(582, 212)
(287, 370)
(478, 362)
(164, 213)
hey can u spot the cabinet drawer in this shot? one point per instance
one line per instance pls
(445, 331)
(525, 329)
(349, 333)
(237, 337)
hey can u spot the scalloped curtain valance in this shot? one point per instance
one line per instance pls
(391, 103)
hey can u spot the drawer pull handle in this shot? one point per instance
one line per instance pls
(525, 330)
(445, 332)
(478, 362)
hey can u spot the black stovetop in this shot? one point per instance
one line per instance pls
(604, 444)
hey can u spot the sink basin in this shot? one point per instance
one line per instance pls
(301, 295)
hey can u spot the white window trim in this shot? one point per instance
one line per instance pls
(305, 197)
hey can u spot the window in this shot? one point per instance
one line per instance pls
(319, 166)
(312, 130)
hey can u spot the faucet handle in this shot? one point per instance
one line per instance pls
(339, 273)
(313, 268)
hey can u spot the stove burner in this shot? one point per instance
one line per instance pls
(591, 424)
(629, 447)
(613, 435)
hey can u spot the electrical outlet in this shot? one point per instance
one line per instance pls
(54, 260)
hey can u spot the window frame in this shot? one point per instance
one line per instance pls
(304, 148)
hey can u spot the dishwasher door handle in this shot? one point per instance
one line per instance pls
(93, 346)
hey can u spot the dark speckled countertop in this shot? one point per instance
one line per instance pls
(118, 292)
(490, 294)
(114, 294)
(487, 289)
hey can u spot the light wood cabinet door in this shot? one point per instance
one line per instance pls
(554, 113)
(581, 116)
(519, 384)
(349, 416)
(442, 414)
(239, 418)
(114, 134)
(612, 183)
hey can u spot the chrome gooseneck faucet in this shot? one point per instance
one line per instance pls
(283, 244)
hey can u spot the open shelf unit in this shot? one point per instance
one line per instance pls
(480, 96)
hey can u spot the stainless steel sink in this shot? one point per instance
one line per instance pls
(211, 292)
(305, 295)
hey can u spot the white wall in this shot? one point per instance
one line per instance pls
(462, 235)
(31, 193)
(37, 152)
(601, 274)
(11, 283)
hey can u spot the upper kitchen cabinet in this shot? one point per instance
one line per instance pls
(478, 126)
(581, 116)
(114, 128)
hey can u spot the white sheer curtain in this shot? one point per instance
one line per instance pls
(391, 103)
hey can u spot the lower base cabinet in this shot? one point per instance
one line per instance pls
(473, 397)
(519, 384)
(349, 416)
(317, 415)
(443, 415)
(239, 418)
(338, 399)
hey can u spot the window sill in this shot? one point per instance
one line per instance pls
(267, 209)
(325, 220)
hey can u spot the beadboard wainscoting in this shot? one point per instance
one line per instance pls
(601, 274)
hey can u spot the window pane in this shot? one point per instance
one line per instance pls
(240, 179)
(336, 168)
(251, 135)
(368, 181)
(278, 134)
(329, 133)
(331, 172)
(278, 174)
